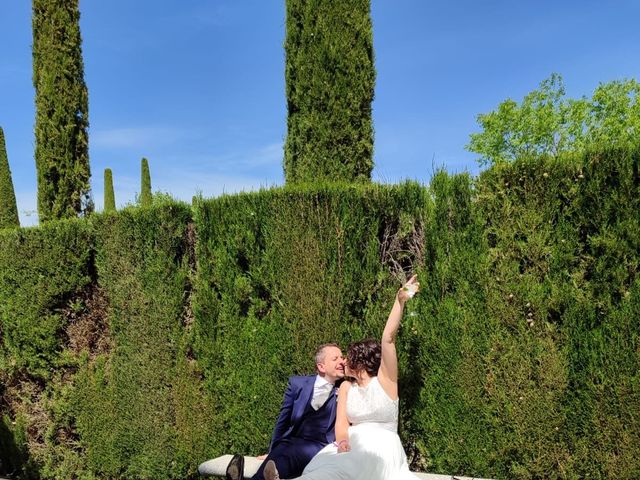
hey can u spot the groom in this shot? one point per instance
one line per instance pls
(306, 421)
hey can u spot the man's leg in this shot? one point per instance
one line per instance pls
(291, 455)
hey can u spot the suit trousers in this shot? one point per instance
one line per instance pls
(291, 455)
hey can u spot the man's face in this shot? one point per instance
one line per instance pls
(332, 366)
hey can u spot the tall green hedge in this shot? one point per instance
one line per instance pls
(145, 184)
(41, 270)
(62, 112)
(109, 195)
(8, 206)
(330, 77)
(564, 249)
(281, 272)
(43, 274)
(176, 329)
(137, 407)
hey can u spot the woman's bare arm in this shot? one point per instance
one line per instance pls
(388, 372)
(342, 422)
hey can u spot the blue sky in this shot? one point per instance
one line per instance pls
(197, 86)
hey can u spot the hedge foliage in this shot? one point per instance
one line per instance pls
(281, 272)
(330, 77)
(176, 328)
(109, 195)
(42, 274)
(8, 205)
(146, 196)
(62, 111)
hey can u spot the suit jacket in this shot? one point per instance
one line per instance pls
(296, 398)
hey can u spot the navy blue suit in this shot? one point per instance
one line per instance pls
(300, 431)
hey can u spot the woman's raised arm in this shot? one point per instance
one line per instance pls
(388, 373)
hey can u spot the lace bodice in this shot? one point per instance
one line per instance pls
(372, 405)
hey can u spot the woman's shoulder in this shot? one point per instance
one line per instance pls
(390, 389)
(345, 385)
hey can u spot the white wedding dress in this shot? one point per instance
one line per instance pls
(376, 452)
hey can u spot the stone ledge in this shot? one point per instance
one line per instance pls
(217, 467)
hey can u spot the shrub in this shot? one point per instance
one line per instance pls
(109, 196)
(174, 331)
(330, 77)
(62, 117)
(145, 184)
(8, 206)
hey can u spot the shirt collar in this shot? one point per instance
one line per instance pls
(320, 382)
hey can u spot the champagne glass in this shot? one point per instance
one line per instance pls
(411, 288)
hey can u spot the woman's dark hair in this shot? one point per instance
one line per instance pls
(364, 355)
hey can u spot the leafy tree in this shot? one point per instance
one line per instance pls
(546, 122)
(61, 144)
(8, 206)
(330, 79)
(145, 184)
(109, 196)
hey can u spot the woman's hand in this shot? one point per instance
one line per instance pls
(409, 289)
(343, 446)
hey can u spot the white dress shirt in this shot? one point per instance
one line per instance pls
(321, 391)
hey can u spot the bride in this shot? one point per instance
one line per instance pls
(367, 445)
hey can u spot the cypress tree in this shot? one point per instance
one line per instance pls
(330, 78)
(8, 206)
(145, 184)
(61, 139)
(109, 196)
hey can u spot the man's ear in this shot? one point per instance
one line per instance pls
(320, 367)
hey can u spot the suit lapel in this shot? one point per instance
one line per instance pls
(305, 396)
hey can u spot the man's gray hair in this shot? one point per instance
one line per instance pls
(320, 353)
